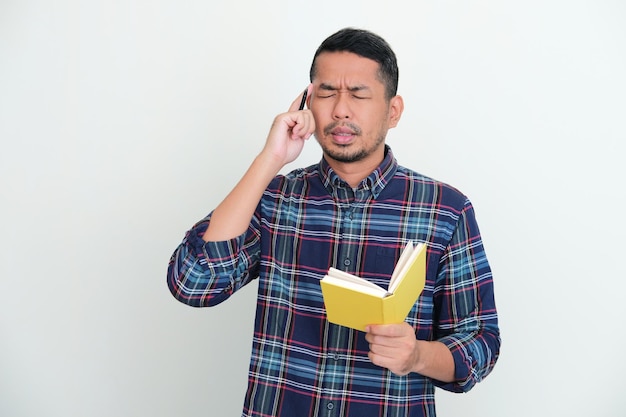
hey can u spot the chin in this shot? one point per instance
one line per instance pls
(345, 156)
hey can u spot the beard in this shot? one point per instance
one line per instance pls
(350, 152)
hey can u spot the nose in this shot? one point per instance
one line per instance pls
(342, 107)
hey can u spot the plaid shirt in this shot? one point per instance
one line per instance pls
(302, 365)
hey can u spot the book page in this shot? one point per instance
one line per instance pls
(346, 276)
(405, 262)
(404, 256)
(356, 285)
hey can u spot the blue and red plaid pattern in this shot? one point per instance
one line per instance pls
(309, 220)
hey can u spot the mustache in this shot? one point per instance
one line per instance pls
(328, 129)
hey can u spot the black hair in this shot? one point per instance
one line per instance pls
(367, 45)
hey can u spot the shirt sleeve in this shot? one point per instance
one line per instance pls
(464, 297)
(203, 274)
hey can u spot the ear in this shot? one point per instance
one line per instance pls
(396, 107)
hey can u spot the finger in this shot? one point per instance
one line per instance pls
(304, 127)
(391, 330)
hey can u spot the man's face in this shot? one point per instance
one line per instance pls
(351, 113)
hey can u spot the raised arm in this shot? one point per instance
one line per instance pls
(201, 271)
(283, 145)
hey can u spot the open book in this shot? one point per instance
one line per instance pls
(355, 302)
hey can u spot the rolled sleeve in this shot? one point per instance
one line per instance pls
(467, 322)
(203, 274)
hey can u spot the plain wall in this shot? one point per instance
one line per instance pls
(124, 122)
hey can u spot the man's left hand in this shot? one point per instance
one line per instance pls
(393, 346)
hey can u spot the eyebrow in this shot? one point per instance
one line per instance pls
(329, 87)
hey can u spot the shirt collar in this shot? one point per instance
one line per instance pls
(375, 182)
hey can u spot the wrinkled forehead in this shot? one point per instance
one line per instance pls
(346, 70)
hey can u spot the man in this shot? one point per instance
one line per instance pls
(355, 210)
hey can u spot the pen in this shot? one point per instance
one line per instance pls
(303, 101)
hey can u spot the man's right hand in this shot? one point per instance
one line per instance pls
(288, 133)
(284, 143)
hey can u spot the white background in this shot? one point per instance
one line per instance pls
(124, 122)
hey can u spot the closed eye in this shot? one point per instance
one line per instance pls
(358, 92)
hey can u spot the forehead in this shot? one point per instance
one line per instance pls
(346, 68)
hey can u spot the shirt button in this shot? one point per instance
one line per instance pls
(347, 262)
(336, 356)
(330, 406)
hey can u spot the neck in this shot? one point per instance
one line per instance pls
(354, 172)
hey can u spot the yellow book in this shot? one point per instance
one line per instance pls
(355, 302)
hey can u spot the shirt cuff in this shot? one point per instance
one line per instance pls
(464, 365)
(213, 255)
